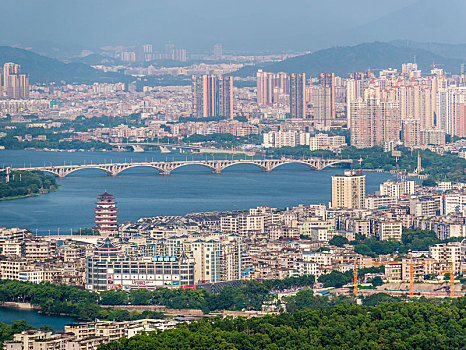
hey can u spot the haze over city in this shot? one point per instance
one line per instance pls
(242, 26)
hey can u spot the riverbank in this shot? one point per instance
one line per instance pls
(50, 190)
(33, 317)
(18, 305)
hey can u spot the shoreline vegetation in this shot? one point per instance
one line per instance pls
(435, 167)
(305, 318)
(54, 189)
(24, 184)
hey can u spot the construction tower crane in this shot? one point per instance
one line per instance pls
(452, 273)
(356, 263)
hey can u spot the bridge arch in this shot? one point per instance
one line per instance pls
(257, 164)
(309, 165)
(181, 165)
(73, 170)
(126, 167)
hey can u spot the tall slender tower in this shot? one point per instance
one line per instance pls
(106, 215)
(298, 95)
(327, 81)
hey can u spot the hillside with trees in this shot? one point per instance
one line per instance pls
(393, 325)
(42, 69)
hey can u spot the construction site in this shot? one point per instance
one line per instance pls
(412, 271)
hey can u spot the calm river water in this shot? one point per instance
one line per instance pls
(141, 192)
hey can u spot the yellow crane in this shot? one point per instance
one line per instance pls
(356, 263)
(452, 273)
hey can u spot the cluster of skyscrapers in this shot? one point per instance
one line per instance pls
(14, 84)
(405, 107)
(294, 90)
(212, 96)
(146, 54)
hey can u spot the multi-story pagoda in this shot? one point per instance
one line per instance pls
(106, 215)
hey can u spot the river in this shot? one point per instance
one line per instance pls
(141, 192)
(35, 319)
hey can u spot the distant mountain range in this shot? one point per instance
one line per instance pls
(347, 59)
(42, 69)
(340, 60)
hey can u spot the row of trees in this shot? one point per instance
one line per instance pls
(338, 279)
(10, 142)
(84, 305)
(54, 135)
(411, 239)
(437, 166)
(65, 300)
(250, 295)
(394, 325)
(25, 183)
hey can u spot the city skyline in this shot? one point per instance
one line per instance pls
(277, 175)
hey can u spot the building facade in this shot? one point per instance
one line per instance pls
(349, 190)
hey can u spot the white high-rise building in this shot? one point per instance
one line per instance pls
(349, 190)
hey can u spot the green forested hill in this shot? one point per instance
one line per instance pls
(396, 325)
(42, 69)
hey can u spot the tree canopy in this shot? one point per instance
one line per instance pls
(394, 325)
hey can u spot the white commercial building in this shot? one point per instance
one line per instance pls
(291, 138)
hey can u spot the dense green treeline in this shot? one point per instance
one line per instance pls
(437, 166)
(66, 130)
(338, 279)
(25, 183)
(8, 330)
(65, 300)
(411, 239)
(394, 325)
(10, 142)
(84, 305)
(251, 295)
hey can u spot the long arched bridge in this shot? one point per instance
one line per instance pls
(165, 168)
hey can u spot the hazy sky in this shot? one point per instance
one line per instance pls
(248, 25)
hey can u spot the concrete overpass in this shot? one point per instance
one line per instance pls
(165, 168)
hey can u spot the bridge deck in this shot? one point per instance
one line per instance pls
(165, 168)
